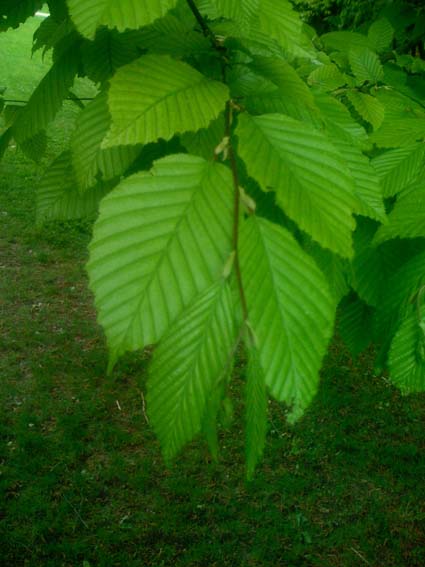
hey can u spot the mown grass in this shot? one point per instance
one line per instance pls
(82, 478)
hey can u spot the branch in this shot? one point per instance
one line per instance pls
(222, 51)
(236, 207)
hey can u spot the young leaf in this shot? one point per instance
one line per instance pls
(88, 15)
(290, 310)
(157, 97)
(312, 183)
(161, 239)
(190, 360)
(407, 354)
(399, 168)
(256, 411)
(365, 65)
(368, 107)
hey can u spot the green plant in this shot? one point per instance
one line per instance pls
(249, 182)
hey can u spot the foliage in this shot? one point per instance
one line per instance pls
(253, 178)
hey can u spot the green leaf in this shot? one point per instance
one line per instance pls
(407, 218)
(338, 120)
(256, 411)
(369, 273)
(366, 181)
(88, 15)
(399, 168)
(292, 96)
(5, 139)
(34, 148)
(88, 158)
(380, 35)
(290, 311)
(280, 22)
(335, 269)
(355, 324)
(204, 142)
(312, 183)
(161, 239)
(401, 285)
(344, 41)
(15, 12)
(187, 365)
(58, 197)
(368, 107)
(406, 358)
(157, 97)
(108, 52)
(173, 35)
(365, 65)
(48, 97)
(327, 77)
(240, 11)
(49, 33)
(397, 133)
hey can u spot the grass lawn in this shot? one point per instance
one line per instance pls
(82, 482)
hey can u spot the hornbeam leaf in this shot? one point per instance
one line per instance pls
(87, 156)
(256, 411)
(366, 181)
(5, 139)
(312, 183)
(335, 269)
(339, 121)
(402, 284)
(355, 324)
(122, 14)
(407, 218)
(109, 51)
(407, 354)
(292, 97)
(161, 239)
(187, 366)
(280, 22)
(58, 197)
(397, 133)
(380, 35)
(344, 40)
(365, 65)
(205, 141)
(368, 107)
(327, 77)
(399, 168)
(15, 12)
(157, 97)
(48, 97)
(290, 311)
